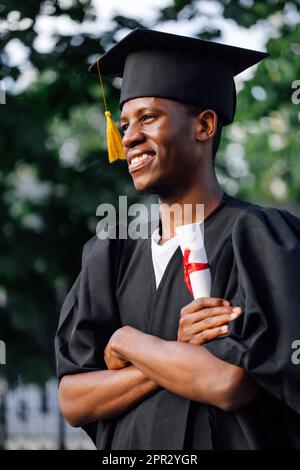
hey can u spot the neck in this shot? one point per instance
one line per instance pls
(202, 199)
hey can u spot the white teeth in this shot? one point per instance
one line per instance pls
(136, 160)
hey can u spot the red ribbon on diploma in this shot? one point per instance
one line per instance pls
(191, 268)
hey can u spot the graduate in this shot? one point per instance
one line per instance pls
(141, 363)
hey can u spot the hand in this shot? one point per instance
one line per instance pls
(205, 319)
(113, 359)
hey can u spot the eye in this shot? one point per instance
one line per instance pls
(146, 117)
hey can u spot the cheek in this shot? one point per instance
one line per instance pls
(171, 139)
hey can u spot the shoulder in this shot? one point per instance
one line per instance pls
(117, 242)
(254, 220)
(95, 247)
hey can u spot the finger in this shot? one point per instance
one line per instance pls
(121, 364)
(204, 302)
(211, 322)
(186, 330)
(209, 335)
(214, 312)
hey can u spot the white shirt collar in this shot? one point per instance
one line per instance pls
(155, 237)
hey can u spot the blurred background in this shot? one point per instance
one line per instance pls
(54, 170)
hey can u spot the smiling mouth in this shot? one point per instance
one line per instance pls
(139, 162)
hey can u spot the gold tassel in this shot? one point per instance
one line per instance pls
(114, 140)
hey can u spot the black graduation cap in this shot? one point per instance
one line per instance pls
(185, 69)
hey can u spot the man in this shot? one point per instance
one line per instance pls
(135, 354)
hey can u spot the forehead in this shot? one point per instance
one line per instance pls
(136, 105)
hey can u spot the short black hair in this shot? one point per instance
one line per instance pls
(193, 110)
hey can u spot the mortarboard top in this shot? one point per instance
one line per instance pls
(185, 69)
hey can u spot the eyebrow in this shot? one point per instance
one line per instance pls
(142, 110)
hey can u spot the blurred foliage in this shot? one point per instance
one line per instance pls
(266, 136)
(54, 170)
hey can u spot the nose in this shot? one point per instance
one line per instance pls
(132, 137)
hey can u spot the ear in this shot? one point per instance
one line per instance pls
(206, 126)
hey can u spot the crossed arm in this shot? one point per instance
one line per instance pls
(139, 364)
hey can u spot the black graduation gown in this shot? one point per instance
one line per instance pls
(254, 253)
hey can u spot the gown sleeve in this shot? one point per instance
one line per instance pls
(266, 247)
(89, 314)
(88, 318)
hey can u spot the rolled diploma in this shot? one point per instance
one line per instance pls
(190, 236)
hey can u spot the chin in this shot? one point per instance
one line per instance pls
(142, 184)
(145, 189)
(148, 184)
(156, 188)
